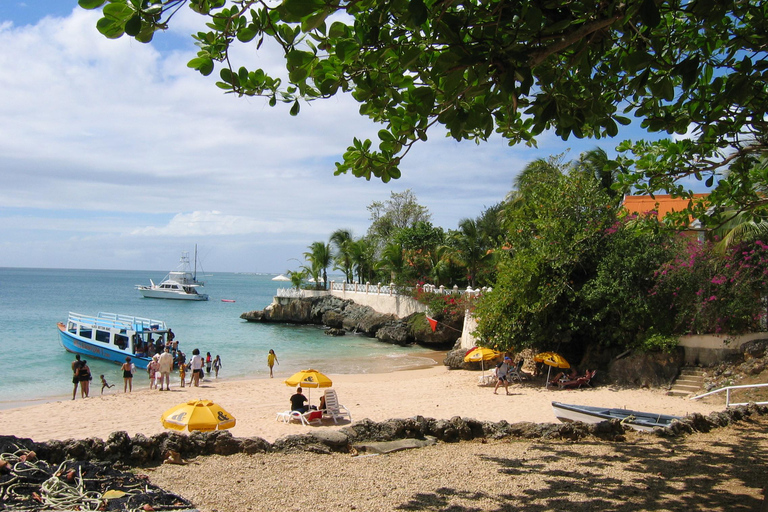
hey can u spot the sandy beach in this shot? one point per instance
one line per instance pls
(434, 392)
(722, 470)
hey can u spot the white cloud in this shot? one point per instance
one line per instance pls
(103, 142)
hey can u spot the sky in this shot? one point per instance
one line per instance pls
(115, 155)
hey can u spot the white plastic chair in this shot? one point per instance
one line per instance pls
(333, 408)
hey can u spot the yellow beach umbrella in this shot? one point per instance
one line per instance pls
(201, 415)
(551, 359)
(481, 354)
(309, 379)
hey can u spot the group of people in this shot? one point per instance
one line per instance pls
(159, 368)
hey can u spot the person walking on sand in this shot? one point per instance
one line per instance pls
(501, 375)
(271, 360)
(217, 365)
(127, 369)
(165, 364)
(76, 364)
(197, 367)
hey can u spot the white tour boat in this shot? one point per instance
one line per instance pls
(179, 284)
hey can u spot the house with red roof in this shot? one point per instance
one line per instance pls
(661, 205)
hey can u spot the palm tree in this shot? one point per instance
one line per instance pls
(393, 260)
(319, 258)
(362, 252)
(595, 162)
(470, 248)
(342, 240)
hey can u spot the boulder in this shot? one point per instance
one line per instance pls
(647, 369)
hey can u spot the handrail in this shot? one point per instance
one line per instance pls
(728, 389)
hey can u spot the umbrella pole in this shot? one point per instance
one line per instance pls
(548, 372)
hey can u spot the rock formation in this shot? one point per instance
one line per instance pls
(336, 313)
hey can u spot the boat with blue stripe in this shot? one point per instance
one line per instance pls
(112, 336)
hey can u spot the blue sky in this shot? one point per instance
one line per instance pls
(114, 155)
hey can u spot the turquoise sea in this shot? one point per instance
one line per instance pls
(36, 368)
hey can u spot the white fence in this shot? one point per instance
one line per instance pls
(392, 290)
(388, 299)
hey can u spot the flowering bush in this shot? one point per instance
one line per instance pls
(448, 307)
(713, 294)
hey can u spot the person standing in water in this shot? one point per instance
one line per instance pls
(271, 360)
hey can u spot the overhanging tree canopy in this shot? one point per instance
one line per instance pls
(579, 67)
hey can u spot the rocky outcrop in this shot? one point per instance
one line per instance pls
(646, 369)
(336, 313)
(141, 450)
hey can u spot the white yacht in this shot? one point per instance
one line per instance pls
(179, 284)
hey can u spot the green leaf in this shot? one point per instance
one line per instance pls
(90, 4)
(649, 13)
(300, 8)
(133, 25)
(418, 11)
(203, 64)
(246, 34)
(295, 108)
(111, 29)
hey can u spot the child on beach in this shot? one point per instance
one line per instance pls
(152, 368)
(105, 385)
(182, 373)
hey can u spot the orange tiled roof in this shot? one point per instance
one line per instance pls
(662, 204)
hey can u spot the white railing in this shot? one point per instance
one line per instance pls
(391, 289)
(728, 394)
(289, 293)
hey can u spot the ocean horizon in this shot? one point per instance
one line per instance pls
(38, 367)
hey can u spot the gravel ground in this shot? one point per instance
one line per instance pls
(723, 470)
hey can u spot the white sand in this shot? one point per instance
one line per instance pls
(434, 393)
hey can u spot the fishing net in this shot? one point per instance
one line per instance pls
(28, 483)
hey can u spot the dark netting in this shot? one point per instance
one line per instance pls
(28, 483)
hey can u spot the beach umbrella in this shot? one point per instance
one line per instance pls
(481, 354)
(551, 359)
(201, 415)
(309, 379)
(281, 277)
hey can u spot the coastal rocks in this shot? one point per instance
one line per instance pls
(142, 450)
(333, 331)
(646, 369)
(348, 316)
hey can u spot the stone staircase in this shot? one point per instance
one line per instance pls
(690, 381)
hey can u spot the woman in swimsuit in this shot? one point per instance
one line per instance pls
(85, 379)
(127, 368)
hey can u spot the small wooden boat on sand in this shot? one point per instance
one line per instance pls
(644, 421)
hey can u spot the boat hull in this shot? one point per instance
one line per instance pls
(638, 420)
(150, 293)
(78, 345)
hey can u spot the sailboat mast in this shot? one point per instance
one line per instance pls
(195, 271)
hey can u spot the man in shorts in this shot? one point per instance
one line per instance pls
(166, 365)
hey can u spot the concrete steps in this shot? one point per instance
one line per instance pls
(690, 381)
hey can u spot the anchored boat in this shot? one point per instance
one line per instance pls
(179, 284)
(638, 420)
(111, 336)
